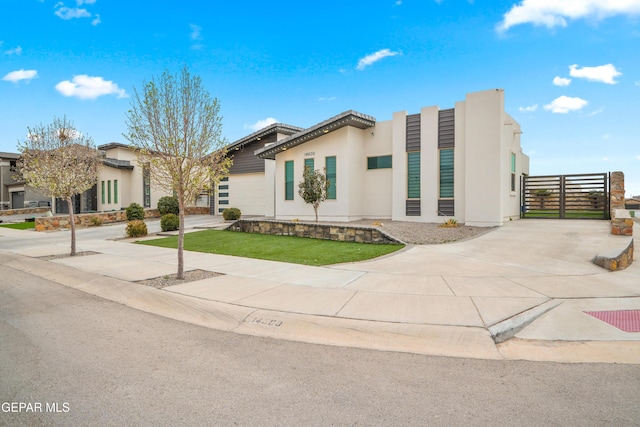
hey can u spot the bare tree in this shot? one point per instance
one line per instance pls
(176, 126)
(61, 161)
(314, 187)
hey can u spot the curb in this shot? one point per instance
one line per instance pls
(508, 328)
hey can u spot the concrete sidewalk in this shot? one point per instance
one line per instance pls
(527, 283)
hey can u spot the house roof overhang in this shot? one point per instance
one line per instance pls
(117, 164)
(263, 133)
(348, 118)
(112, 145)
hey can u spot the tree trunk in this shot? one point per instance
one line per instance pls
(72, 223)
(315, 209)
(180, 275)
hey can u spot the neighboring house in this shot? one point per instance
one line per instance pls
(14, 194)
(632, 204)
(463, 163)
(121, 181)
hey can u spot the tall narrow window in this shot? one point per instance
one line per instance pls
(413, 175)
(115, 191)
(103, 194)
(513, 172)
(446, 174)
(330, 163)
(109, 192)
(146, 184)
(288, 180)
(310, 163)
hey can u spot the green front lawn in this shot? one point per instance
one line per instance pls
(297, 250)
(20, 225)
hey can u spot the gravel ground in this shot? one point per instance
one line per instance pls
(421, 233)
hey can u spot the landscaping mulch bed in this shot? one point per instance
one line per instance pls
(170, 279)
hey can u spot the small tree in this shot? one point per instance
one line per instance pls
(176, 126)
(314, 187)
(61, 161)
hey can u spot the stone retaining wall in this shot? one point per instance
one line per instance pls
(87, 219)
(23, 211)
(622, 226)
(616, 261)
(343, 233)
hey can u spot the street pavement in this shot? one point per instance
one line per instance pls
(520, 291)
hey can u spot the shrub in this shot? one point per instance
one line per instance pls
(136, 228)
(451, 223)
(168, 205)
(135, 212)
(231, 214)
(169, 222)
(95, 220)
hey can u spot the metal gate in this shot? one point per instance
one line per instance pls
(565, 196)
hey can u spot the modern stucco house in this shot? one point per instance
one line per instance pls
(463, 162)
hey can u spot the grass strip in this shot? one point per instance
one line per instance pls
(297, 250)
(20, 225)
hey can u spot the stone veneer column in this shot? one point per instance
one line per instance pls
(617, 192)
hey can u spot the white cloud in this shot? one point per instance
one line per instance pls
(67, 13)
(16, 76)
(564, 104)
(637, 157)
(553, 13)
(529, 108)
(330, 98)
(260, 124)
(603, 73)
(374, 57)
(15, 51)
(561, 81)
(88, 87)
(595, 112)
(196, 32)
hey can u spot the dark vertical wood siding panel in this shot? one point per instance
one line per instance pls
(446, 208)
(413, 207)
(413, 132)
(446, 128)
(244, 161)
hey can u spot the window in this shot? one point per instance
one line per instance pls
(288, 180)
(226, 178)
(310, 163)
(223, 187)
(223, 202)
(103, 193)
(381, 162)
(223, 194)
(446, 174)
(330, 163)
(13, 165)
(513, 172)
(115, 191)
(109, 192)
(146, 184)
(413, 175)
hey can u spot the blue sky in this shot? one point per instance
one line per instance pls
(570, 69)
